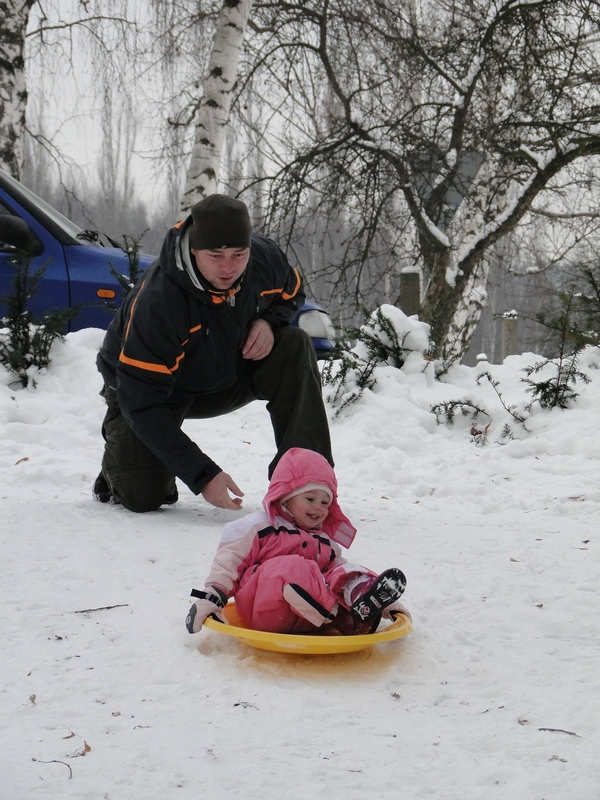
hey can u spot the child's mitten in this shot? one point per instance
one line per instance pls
(208, 601)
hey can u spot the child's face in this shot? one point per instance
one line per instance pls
(309, 509)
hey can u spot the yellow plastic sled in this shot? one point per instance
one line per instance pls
(305, 643)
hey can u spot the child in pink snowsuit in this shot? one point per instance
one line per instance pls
(284, 565)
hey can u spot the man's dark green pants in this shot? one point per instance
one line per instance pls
(288, 379)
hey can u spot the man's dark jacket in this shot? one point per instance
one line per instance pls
(174, 339)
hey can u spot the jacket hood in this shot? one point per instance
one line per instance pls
(175, 257)
(298, 467)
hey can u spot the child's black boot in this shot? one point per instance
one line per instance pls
(385, 590)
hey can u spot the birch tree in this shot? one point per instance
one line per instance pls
(14, 16)
(214, 107)
(49, 28)
(458, 113)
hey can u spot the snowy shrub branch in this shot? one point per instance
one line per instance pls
(389, 338)
(26, 342)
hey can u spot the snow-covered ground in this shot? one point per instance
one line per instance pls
(493, 695)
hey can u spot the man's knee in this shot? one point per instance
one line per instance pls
(294, 340)
(293, 356)
(137, 479)
(141, 492)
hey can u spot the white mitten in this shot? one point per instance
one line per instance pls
(208, 601)
(395, 608)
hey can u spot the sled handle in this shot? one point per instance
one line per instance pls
(394, 614)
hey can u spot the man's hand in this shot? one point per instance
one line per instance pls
(216, 492)
(259, 341)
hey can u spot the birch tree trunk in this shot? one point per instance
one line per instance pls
(453, 115)
(14, 15)
(214, 108)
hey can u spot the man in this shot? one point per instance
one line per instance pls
(204, 332)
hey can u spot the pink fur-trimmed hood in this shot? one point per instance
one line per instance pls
(295, 469)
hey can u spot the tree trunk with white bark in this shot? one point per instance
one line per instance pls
(214, 108)
(458, 120)
(14, 15)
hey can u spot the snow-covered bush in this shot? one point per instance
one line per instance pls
(388, 338)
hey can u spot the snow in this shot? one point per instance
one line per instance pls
(494, 694)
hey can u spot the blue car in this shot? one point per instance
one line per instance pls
(78, 265)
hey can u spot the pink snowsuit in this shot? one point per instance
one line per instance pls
(285, 579)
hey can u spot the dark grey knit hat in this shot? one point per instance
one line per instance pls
(219, 221)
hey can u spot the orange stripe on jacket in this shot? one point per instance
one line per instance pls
(131, 310)
(150, 366)
(285, 295)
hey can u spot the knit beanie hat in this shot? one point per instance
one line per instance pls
(219, 221)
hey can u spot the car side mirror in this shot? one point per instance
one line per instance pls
(15, 234)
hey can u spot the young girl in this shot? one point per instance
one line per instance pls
(284, 565)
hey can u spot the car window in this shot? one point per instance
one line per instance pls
(34, 202)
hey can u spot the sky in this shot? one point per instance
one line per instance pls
(66, 102)
(105, 696)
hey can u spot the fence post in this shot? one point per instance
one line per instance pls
(510, 334)
(410, 292)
